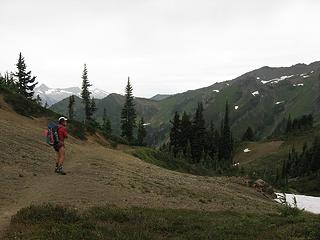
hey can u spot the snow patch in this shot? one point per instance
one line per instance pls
(255, 93)
(277, 103)
(246, 150)
(258, 78)
(308, 203)
(304, 75)
(215, 90)
(298, 85)
(146, 124)
(276, 80)
(236, 107)
(236, 164)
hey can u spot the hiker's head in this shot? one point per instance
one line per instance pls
(63, 121)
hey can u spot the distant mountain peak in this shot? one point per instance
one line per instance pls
(54, 95)
(42, 88)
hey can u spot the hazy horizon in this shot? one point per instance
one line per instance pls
(165, 47)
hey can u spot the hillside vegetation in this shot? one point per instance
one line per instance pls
(109, 222)
(266, 158)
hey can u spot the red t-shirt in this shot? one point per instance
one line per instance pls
(62, 133)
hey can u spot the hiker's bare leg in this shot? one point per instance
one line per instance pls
(57, 158)
(61, 156)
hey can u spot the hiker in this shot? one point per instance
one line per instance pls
(60, 148)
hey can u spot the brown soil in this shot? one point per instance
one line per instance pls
(97, 175)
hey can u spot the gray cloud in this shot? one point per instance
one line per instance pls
(165, 46)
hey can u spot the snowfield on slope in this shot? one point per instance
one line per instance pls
(308, 203)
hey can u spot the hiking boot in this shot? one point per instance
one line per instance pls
(56, 168)
(61, 171)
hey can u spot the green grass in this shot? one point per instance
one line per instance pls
(166, 160)
(57, 222)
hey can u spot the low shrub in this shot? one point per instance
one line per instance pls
(45, 212)
(26, 107)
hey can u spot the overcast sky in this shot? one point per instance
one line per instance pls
(165, 46)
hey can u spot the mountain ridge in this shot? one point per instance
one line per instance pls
(260, 98)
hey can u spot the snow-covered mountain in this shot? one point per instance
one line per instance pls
(54, 95)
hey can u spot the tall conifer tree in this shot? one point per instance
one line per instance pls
(85, 93)
(198, 135)
(175, 135)
(186, 127)
(25, 82)
(142, 133)
(128, 114)
(93, 106)
(106, 124)
(213, 141)
(71, 107)
(226, 141)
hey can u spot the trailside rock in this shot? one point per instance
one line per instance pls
(264, 187)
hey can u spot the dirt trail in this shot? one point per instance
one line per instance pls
(98, 175)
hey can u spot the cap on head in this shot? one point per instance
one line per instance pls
(62, 119)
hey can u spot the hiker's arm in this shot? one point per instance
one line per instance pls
(65, 133)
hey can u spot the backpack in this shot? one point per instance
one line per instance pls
(52, 134)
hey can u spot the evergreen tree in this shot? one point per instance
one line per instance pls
(106, 124)
(248, 135)
(128, 114)
(93, 107)
(10, 82)
(38, 100)
(175, 135)
(198, 139)
(46, 105)
(213, 140)
(85, 94)
(226, 141)
(25, 82)
(2, 80)
(315, 160)
(71, 107)
(284, 171)
(185, 132)
(142, 133)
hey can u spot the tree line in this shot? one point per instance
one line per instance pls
(128, 113)
(190, 138)
(302, 164)
(302, 123)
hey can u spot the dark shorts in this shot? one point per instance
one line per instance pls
(58, 146)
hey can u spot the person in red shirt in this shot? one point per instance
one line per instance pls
(60, 147)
